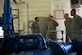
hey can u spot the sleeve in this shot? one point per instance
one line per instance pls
(79, 21)
(55, 23)
(33, 25)
(46, 27)
(65, 23)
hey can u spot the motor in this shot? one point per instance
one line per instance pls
(58, 48)
(30, 42)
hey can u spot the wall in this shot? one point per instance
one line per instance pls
(30, 10)
(40, 8)
(1, 7)
(65, 5)
(79, 11)
(60, 5)
(21, 23)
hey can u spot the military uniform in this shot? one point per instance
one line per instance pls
(76, 27)
(67, 23)
(51, 25)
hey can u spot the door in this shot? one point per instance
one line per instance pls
(42, 24)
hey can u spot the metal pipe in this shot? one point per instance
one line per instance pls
(7, 19)
(61, 49)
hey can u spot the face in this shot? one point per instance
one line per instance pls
(50, 18)
(37, 20)
(65, 16)
(72, 13)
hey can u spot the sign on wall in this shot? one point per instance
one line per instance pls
(59, 14)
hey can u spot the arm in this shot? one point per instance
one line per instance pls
(65, 23)
(79, 19)
(55, 23)
(32, 28)
(46, 27)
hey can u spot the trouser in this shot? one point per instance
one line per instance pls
(75, 35)
(68, 37)
(52, 36)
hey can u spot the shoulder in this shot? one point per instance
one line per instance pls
(65, 20)
(70, 19)
(47, 22)
(54, 21)
(33, 23)
(77, 16)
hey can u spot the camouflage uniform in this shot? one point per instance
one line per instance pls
(76, 27)
(51, 25)
(67, 23)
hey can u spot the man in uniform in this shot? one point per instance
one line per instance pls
(67, 23)
(50, 26)
(35, 26)
(76, 25)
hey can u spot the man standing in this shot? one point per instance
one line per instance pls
(76, 25)
(67, 23)
(35, 26)
(50, 26)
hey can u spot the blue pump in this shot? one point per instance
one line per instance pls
(7, 20)
(33, 44)
(12, 40)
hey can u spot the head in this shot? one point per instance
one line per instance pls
(66, 16)
(50, 18)
(73, 12)
(36, 19)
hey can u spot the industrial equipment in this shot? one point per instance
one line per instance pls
(60, 49)
(32, 44)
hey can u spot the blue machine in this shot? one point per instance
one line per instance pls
(7, 20)
(61, 49)
(15, 43)
(33, 44)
